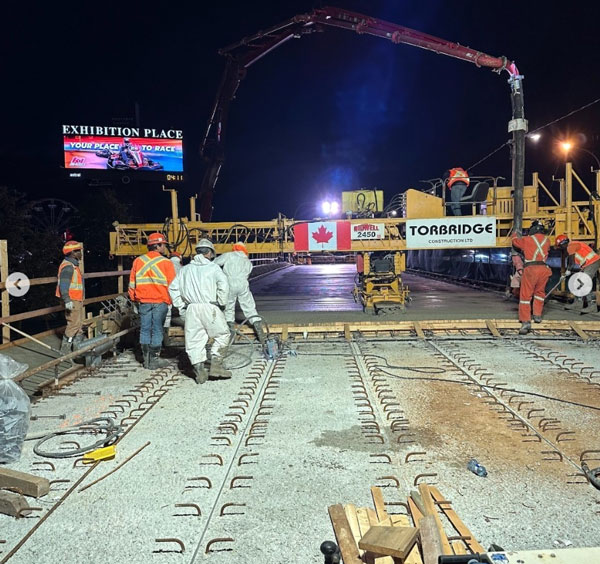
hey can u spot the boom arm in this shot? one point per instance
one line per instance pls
(250, 49)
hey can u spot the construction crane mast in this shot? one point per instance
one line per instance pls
(250, 49)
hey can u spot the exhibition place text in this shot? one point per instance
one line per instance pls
(122, 131)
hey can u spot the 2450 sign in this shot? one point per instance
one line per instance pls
(451, 233)
(368, 231)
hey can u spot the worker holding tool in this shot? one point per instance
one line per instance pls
(149, 282)
(69, 289)
(535, 247)
(200, 292)
(237, 268)
(581, 258)
(457, 182)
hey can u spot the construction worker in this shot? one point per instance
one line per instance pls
(535, 248)
(457, 182)
(200, 292)
(581, 258)
(237, 268)
(149, 282)
(69, 289)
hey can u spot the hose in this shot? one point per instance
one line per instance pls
(592, 475)
(99, 424)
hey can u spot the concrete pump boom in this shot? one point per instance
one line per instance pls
(244, 53)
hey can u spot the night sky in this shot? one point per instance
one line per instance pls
(320, 114)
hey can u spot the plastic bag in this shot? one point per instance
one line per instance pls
(15, 410)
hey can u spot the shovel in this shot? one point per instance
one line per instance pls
(554, 287)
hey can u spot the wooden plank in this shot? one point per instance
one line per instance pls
(457, 523)
(370, 557)
(352, 517)
(13, 504)
(459, 547)
(582, 334)
(284, 333)
(363, 520)
(343, 535)
(5, 296)
(418, 329)
(431, 544)
(389, 541)
(379, 503)
(493, 330)
(415, 512)
(27, 484)
(347, 333)
(431, 510)
(418, 501)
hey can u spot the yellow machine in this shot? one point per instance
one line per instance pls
(379, 285)
(362, 203)
(387, 236)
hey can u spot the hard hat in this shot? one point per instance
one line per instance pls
(562, 240)
(205, 244)
(156, 239)
(536, 227)
(71, 246)
(240, 247)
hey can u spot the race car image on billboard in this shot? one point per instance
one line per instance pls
(123, 153)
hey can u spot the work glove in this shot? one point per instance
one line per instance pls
(182, 312)
(136, 309)
(567, 273)
(69, 306)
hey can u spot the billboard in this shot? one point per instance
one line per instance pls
(126, 149)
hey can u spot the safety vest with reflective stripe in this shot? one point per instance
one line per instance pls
(458, 175)
(535, 247)
(150, 277)
(582, 253)
(76, 285)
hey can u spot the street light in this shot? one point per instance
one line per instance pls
(535, 137)
(567, 146)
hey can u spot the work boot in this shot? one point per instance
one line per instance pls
(201, 373)
(537, 318)
(577, 303)
(145, 355)
(590, 308)
(525, 328)
(260, 332)
(217, 368)
(67, 345)
(154, 360)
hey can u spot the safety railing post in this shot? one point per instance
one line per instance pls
(5, 296)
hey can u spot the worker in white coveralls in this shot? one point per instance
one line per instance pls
(175, 258)
(199, 292)
(237, 267)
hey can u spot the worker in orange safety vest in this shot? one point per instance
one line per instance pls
(535, 247)
(581, 258)
(69, 288)
(149, 282)
(457, 182)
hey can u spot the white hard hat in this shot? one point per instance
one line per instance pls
(205, 244)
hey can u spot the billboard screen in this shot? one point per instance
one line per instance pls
(125, 149)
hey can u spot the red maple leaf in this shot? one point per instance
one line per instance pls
(321, 235)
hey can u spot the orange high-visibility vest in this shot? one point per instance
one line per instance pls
(76, 285)
(535, 247)
(582, 253)
(458, 175)
(150, 277)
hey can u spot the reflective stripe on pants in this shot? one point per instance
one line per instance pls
(533, 286)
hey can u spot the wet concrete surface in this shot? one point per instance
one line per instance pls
(323, 293)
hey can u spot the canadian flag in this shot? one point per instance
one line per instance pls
(322, 236)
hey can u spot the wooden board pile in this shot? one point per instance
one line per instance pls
(372, 536)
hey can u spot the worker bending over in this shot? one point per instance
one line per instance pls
(581, 258)
(535, 248)
(237, 268)
(69, 289)
(149, 282)
(198, 292)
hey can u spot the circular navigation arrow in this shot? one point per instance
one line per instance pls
(580, 284)
(17, 284)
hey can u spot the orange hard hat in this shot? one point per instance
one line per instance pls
(71, 246)
(561, 239)
(156, 239)
(240, 247)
